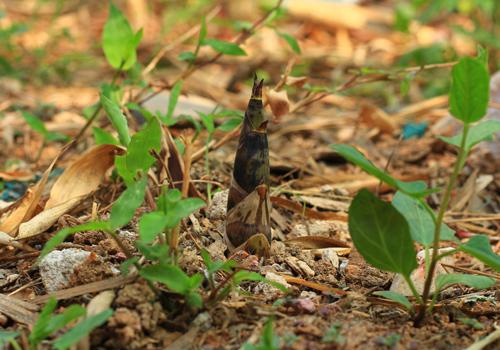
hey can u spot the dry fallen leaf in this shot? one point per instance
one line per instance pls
(79, 180)
(278, 101)
(25, 207)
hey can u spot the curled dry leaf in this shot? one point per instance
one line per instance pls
(79, 180)
(18, 175)
(25, 207)
(307, 212)
(295, 81)
(278, 101)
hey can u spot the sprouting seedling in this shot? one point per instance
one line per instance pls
(267, 341)
(249, 191)
(383, 233)
(48, 324)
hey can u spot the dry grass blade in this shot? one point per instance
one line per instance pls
(309, 213)
(313, 285)
(20, 311)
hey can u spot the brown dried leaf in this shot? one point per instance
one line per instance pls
(79, 180)
(309, 213)
(25, 207)
(84, 175)
(278, 101)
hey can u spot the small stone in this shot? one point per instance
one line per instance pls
(273, 277)
(303, 305)
(316, 228)
(270, 292)
(308, 294)
(331, 256)
(128, 235)
(217, 210)
(299, 267)
(203, 321)
(278, 248)
(57, 267)
(400, 286)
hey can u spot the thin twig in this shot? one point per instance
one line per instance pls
(240, 39)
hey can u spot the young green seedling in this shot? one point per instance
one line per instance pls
(383, 232)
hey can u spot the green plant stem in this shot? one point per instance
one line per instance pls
(462, 153)
(428, 209)
(413, 289)
(129, 255)
(15, 344)
(97, 110)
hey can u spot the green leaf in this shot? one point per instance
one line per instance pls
(203, 31)
(414, 189)
(182, 209)
(194, 300)
(119, 41)
(480, 248)
(102, 137)
(151, 224)
(381, 234)
(125, 266)
(243, 275)
(482, 55)
(187, 56)
(124, 208)
(117, 118)
(47, 323)
(138, 153)
(469, 93)
(39, 331)
(123, 170)
(6, 337)
(82, 329)
(208, 122)
(35, 123)
(230, 124)
(60, 321)
(294, 45)
(474, 281)
(170, 275)
(154, 252)
(420, 220)
(56, 136)
(225, 47)
(172, 102)
(399, 298)
(60, 236)
(219, 265)
(477, 133)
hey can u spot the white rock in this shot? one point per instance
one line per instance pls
(217, 210)
(331, 256)
(269, 291)
(400, 286)
(273, 277)
(57, 267)
(317, 228)
(299, 266)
